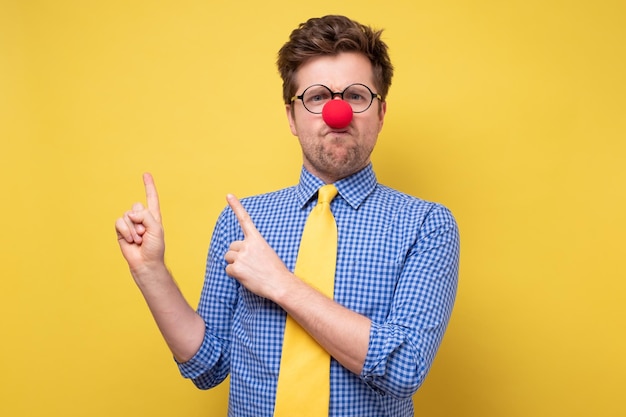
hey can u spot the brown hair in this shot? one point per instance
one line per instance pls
(330, 35)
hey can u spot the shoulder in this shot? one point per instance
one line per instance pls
(261, 207)
(411, 207)
(268, 199)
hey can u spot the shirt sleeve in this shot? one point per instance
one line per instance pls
(211, 364)
(402, 348)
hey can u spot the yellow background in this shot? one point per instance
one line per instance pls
(511, 113)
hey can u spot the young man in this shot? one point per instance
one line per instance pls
(396, 261)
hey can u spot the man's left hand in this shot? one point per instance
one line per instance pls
(252, 261)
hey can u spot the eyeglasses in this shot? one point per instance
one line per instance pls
(358, 96)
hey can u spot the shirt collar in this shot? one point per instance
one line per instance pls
(353, 189)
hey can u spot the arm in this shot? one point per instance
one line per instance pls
(141, 240)
(392, 356)
(343, 333)
(404, 344)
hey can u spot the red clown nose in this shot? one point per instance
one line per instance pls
(337, 114)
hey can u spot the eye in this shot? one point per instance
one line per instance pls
(317, 95)
(356, 94)
(355, 97)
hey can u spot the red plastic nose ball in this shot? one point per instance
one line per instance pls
(337, 114)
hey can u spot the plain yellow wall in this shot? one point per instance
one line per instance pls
(512, 113)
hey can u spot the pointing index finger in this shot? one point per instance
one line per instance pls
(152, 197)
(242, 215)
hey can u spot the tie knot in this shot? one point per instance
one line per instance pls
(326, 193)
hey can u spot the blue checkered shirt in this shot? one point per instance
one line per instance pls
(397, 263)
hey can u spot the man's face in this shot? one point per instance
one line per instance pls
(332, 154)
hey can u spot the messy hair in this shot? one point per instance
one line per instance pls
(331, 35)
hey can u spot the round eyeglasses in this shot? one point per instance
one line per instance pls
(358, 96)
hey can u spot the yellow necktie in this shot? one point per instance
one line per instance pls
(304, 378)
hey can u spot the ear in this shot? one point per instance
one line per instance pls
(381, 115)
(289, 110)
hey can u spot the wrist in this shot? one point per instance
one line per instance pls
(149, 273)
(292, 293)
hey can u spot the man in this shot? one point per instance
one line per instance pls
(396, 261)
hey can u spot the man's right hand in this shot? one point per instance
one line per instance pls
(140, 233)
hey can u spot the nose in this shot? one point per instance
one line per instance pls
(337, 113)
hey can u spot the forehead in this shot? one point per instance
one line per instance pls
(335, 71)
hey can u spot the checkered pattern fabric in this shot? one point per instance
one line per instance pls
(397, 264)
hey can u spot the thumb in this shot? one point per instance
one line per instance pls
(143, 218)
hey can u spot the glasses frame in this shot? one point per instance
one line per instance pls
(337, 93)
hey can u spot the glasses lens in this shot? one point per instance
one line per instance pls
(358, 96)
(315, 97)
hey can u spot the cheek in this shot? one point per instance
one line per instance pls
(372, 127)
(305, 124)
